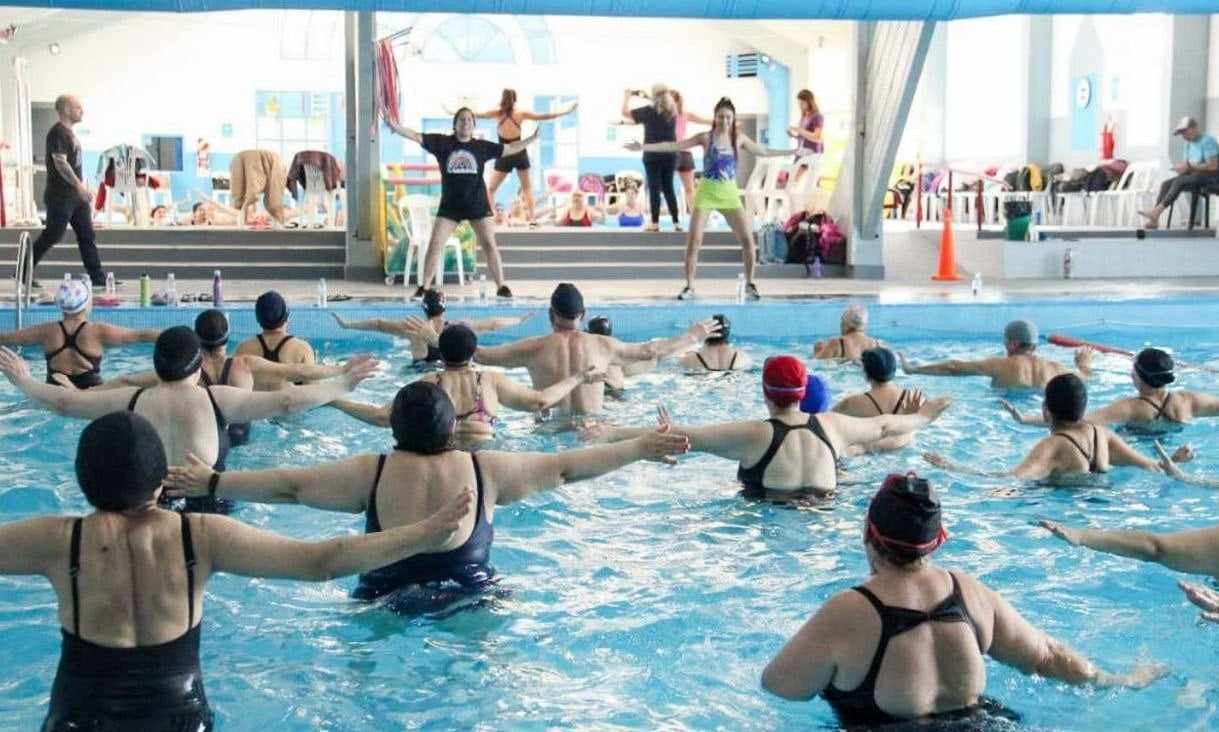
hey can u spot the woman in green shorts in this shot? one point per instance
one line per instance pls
(718, 189)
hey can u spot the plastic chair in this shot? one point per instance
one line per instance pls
(1113, 198)
(416, 210)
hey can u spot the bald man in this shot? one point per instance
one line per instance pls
(67, 198)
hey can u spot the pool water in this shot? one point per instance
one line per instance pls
(653, 597)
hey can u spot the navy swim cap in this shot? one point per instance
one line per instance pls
(566, 301)
(433, 303)
(422, 418)
(1154, 367)
(120, 461)
(176, 354)
(458, 344)
(904, 518)
(271, 310)
(879, 364)
(601, 325)
(725, 329)
(212, 327)
(1066, 398)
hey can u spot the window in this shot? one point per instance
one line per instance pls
(166, 152)
(560, 138)
(468, 39)
(287, 122)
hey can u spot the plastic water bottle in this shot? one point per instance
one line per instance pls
(67, 278)
(171, 287)
(817, 270)
(740, 287)
(145, 290)
(976, 286)
(1066, 264)
(322, 294)
(482, 288)
(217, 290)
(111, 289)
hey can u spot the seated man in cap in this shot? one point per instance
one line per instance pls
(69, 346)
(274, 343)
(1021, 368)
(716, 353)
(1199, 168)
(1075, 447)
(909, 642)
(791, 455)
(1154, 409)
(425, 334)
(852, 342)
(569, 351)
(882, 397)
(191, 419)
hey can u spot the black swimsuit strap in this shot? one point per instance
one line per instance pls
(901, 399)
(699, 356)
(875, 403)
(224, 371)
(188, 554)
(779, 433)
(1075, 443)
(882, 645)
(220, 420)
(73, 571)
(478, 482)
(814, 424)
(372, 497)
(134, 397)
(1158, 407)
(732, 363)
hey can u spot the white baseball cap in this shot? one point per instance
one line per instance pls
(1185, 123)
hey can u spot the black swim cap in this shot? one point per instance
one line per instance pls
(1154, 367)
(212, 327)
(271, 309)
(566, 301)
(176, 354)
(879, 364)
(433, 303)
(423, 418)
(601, 325)
(725, 329)
(904, 520)
(120, 461)
(458, 344)
(1066, 398)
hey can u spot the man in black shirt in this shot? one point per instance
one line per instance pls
(67, 198)
(659, 120)
(463, 194)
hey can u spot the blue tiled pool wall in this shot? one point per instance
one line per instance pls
(1165, 321)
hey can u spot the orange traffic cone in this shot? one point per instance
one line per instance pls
(948, 253)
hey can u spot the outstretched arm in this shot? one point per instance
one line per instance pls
(30, 336)
(1121, 453)
(625, 353)
(865, 430)
(685, 144)
(1205, 405)
(489, 325)
(33, 546)
(950, 368)
(336, 486)
(765, 152)
(542, 117)
(366, 413)
(260, 366)
(509, 355)
(406, 132)
(65, 402)
(240, 405)
(114, 335)
(729, 440)
(1196, 552)
(397, 328)
(524, 399)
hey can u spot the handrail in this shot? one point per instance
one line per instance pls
(25, 275)
(978, 207)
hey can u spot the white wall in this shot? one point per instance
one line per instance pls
(986, 90)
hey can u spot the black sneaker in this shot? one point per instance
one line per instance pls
(751, 292)
(418, 293)
(687, 293)
(503, 291)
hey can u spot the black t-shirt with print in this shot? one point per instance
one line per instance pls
(463, 195)
(61, 141)
(656, 127)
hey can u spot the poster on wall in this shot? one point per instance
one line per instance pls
(203, 163)
(1084, 104)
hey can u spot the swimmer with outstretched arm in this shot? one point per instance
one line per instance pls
(882, 397)
(717, 354)
(1021, 368)
(853, 341)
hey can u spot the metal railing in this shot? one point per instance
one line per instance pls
(25, 276)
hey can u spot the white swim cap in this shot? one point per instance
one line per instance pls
(73, 297)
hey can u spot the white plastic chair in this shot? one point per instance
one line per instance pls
(1112, 200)
(416, 210)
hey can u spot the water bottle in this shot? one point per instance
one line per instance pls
(1066, 264)
(67, 278)
(171, 290)
(145, 290)
(976, 286)
(87, 280)
(817, 271)
(740, 287)
(482, 288)
(321, 292)
(217, 290)
(111, 289)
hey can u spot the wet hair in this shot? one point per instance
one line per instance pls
(507, 102)
(1154, 367)
(457, 114)
(458, 344)
(725, 329)
(601, 325)
(904, 520)
(726, 103)
(176, 354)
(212, 327)
(271, 310)
(879, 364)
(807, 97)
(423, 419)
(120, 461)
(1066, 398)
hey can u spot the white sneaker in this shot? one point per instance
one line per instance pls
(687, 293)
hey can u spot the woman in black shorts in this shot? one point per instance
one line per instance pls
(685, 159)
(463, 195)
(508, 128)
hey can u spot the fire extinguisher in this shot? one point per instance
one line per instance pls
(1108, 140)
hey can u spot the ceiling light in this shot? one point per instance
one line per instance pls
(54, 49)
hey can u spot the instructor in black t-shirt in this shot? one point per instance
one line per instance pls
(659, 120)
(67, 198)
(463, 194)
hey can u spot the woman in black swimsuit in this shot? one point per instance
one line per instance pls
(716, 353)
(508, 121)
(882, 397)
(128, 661)
(931, 625)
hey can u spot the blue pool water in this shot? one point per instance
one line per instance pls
(653, 597)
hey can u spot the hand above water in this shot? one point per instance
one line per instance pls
(417, 328)
(660, 446)
(914, 402)
(933, 408)
(1066, 533)
(358, 369)
(13, 366)
(1204, 597)
(188, 480)
(704, 329)
(439, 527)
(936, 459)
